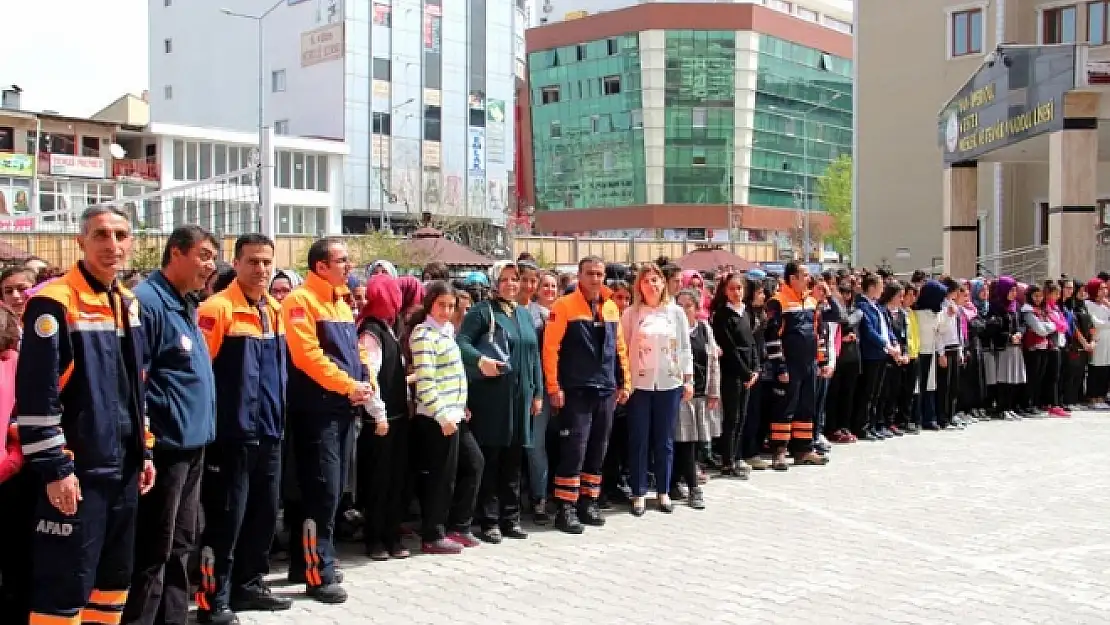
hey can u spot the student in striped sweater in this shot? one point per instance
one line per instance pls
(449, 454)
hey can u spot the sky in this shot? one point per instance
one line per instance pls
(92, 56)
(89, 56)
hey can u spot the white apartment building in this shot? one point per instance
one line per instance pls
(420, 91)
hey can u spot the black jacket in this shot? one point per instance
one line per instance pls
(739, 350)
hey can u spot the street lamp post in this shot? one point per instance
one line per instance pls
(265, 146)
(383, 217)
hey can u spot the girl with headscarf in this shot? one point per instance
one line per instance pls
(1050, 389)
(973, 387)
(1077, 348)
(1005, 364)
(412, 297)
(693, 281)
(926, 311)
(1098, 372)
(382, 266)
(383, 445)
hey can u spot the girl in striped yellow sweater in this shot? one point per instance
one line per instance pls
(448, 452)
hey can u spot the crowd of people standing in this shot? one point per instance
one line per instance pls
(170, 427)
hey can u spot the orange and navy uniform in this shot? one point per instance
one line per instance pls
(80, 412)
(791, 327)
(583, 347)
(327, 360)
(246, 341)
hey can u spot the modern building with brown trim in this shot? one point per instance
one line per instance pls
(687, 116)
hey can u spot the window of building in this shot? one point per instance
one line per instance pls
(219, 153)
(967, 32)
(381, 125)
(178, 159)
(478, 118)
(636, 118)
(611, 46)
(382, 14)
(302, 219)
(168, 92)
(1097, 22)
(698, 158)
(168, 45)
(433, 116)
(281, 127)
(168, 2)
(808, 15)
(611, 85)
(1058, 25)
(549, 95)
(7, 139)
(837, 25)
(580, 52)
(700, 117)
(595, 123)
(382, 69)
(556, 130)
(284, 178)
(778, 5)
(54, 143)
(277, 80)
(90, 146)
(298, 171)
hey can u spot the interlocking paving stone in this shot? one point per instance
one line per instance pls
(1002, 524)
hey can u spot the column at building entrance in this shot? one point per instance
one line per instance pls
(1073, 189)
(961, 230)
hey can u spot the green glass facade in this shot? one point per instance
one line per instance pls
(700, 116)
(587, 128)
(803, 121)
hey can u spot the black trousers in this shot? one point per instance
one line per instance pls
(1098, 381)
(908, 380)
(755, 428)
(948, 386)
(615, 464)
(383, 480)
(734, 410)
(1036, 364)
(164, 539)
(840, 403)
(871, 386)
(319, 441)
(585, 423)
(1073, 371)
(240, 496)
(685, 464)
(973, 386)
(17, 499)
(1050, 388)
(452, 468)
(499, 492)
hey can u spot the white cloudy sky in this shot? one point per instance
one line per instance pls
(92, 52)
(92, 55)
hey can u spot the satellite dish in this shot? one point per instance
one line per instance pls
(117, 150)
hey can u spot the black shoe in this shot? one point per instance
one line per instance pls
(328, 593)
(260, 601)
(540, 515)
(514, 531)
(490, 535)
(590, 513)
(666, 508)
(912, 428)
(932, 427)
(866, 435)
(697, 499)
(297, 577)
(885, 432)
(638, 508)
(219, 616)
(566, 520)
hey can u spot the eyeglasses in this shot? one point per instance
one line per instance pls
(12, 290)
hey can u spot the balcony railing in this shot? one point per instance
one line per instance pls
(139, 168)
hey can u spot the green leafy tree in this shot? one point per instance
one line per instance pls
(146, 252)
(834, 189)
(378, 245)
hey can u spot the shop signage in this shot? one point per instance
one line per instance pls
(22, 165)
(321, 45)
(1016, 95)
(476, 151)
(76, 166)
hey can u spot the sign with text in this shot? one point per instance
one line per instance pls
(76, 166)
(1017, 96)
(321, 45)
(21, 165)
(476, 151)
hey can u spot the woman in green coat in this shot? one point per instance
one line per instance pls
(506, 391)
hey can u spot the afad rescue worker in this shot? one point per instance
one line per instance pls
(246, 340)
(792, 353)
(82, 428)
(328, 383)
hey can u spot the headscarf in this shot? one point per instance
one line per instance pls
(756, 275)
(981, 306)
(931, 297)
(1000, 291)
(688, 276)
(412, 292)
(495, 272)
(477, 278)
(383, 299)
(389, 267)
(1092, 289)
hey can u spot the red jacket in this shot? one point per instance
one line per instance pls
(11, 456)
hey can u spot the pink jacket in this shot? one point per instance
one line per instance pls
(11, 456)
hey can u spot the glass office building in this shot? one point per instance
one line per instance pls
(675, 117)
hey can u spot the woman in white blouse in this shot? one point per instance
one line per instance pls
(662, 368)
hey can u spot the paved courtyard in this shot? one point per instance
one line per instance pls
(1004, 523)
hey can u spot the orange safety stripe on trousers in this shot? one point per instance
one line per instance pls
(591, 479)
(775, 425)
(201, 600)
(108, 597)
(592, 491)
(311, 554)
(52, 619)
(564, 494)
(89, 616)
(566, 481)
